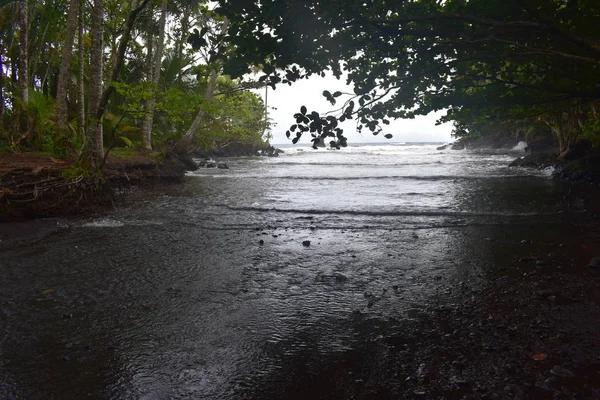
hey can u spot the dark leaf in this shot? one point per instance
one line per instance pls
(303, 110)
(388, 136)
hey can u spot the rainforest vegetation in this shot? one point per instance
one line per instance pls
(520, 66)
(79, 78)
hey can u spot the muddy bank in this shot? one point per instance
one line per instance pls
(33, 186)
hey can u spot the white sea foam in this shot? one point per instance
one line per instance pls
(521, 146)
(104, 223)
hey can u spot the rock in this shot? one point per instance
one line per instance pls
(526, 259)
(306, 243)
(458, 146)
(536, 160)
(525, 241)
(261, 242)
(546, 293)
(443, 147)
(222, 166)
(211, 164)
(594, 263)
(559, 371)
(541, 263)
(67, 316)
(550, 383)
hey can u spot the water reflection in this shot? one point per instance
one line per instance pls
(181, 299)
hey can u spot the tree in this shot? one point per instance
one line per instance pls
(24, 64)
(213, 70)
(515, 59)
(153, 72)
(64, 74)
(94, 149)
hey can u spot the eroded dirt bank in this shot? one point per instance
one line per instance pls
(33, 186)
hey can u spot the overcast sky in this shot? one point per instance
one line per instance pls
(286, 100)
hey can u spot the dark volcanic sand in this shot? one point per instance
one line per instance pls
(174, 297)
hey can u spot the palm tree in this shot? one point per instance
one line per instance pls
(94, 149)
(64, 74)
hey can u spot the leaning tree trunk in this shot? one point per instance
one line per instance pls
(120, 57)
(94, 149)
(184, 144)
(64, 74)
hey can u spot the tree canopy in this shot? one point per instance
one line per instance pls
(519, 60)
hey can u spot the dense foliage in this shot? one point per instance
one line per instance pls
(530, 63)
(78, 78)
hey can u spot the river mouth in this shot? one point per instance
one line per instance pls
(214, 292)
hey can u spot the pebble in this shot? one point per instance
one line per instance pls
(594, 263)
(557, 370)
(550, 383)
(526, 259)
(261, 242)
(541, 263)
(306, 243)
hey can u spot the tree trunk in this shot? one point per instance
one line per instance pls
(186, 140)
(120, 57)
(155, 73)
(147, 121)
(64, 74)
(1, 90)
(181, 40)
(94, 149)
(23, 67)
(81, 80)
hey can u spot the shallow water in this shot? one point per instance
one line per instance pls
(208, 292)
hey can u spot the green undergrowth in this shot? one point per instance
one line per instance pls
(77, 172)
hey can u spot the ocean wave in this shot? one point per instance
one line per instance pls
(420, 213)
(380, 164)
(375, 178)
